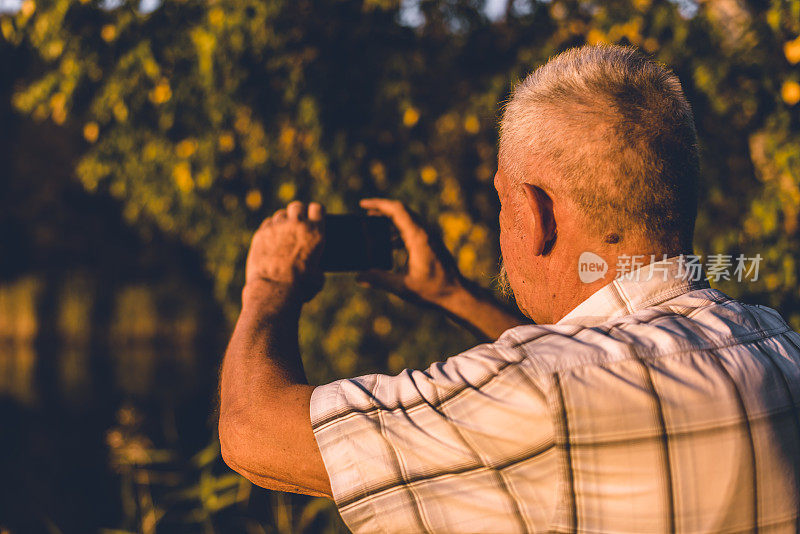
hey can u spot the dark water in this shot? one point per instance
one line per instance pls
(66, 410)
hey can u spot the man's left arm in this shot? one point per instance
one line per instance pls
(265, 427)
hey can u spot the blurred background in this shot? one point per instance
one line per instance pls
(142, 142)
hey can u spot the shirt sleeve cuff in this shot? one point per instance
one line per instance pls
(339, 454)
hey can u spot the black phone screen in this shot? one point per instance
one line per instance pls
(357, 243)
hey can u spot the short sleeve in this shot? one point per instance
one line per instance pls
(399, 449)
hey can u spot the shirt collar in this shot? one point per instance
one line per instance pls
(646, 286)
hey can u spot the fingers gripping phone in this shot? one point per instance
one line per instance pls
(355, 242)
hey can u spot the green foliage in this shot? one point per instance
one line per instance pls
(163, 492)
(203, 117)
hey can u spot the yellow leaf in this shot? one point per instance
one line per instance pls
(216, 17)
(258, 155)
(471, 124)
(120, 111)
(59, 115)
(151, 151)
(7, 28)
(558, 11)
(792, 50)
(58, 100)
(286, 191)
(410, 117)
(253, 199)
(91, 131)
(478, 235)
(287, 136)
(226, 142)
(790, 92)
(27, 8)
(242, 123)
(186, 148)
(382, 325)
(466, 259)
(57, 104)
(161, 93)
(108, 33)
(454, 226)
(595, 36)
(450, 193)
(318, 168)
(182, 174)
(429, 174)
(204, 179)
(54, 49)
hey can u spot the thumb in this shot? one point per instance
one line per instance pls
(382, 279)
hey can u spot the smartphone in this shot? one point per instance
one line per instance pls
(356, 242)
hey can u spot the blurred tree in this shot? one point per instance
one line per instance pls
(202, 117)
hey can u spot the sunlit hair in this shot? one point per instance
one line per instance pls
(618, 131)
(502, 281)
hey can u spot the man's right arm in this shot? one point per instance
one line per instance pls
(432, 278)
(434, 443)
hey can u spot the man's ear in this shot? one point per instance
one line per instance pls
(542, 226)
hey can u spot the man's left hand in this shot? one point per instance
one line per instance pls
(283, 261)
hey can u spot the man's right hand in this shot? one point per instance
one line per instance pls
(433, 278)
(432, 275)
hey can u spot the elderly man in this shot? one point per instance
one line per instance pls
(643, 403)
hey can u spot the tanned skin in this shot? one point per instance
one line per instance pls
(265, 427)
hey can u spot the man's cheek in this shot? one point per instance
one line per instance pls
(503, 245)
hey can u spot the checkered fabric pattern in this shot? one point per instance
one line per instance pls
(657, 405)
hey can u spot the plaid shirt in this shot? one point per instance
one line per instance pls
(655, 405)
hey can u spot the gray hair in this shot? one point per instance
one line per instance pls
(619, 132)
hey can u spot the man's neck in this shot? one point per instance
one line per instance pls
(616, 263)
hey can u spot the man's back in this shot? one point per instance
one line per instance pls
(681, 416)
(653, 406)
